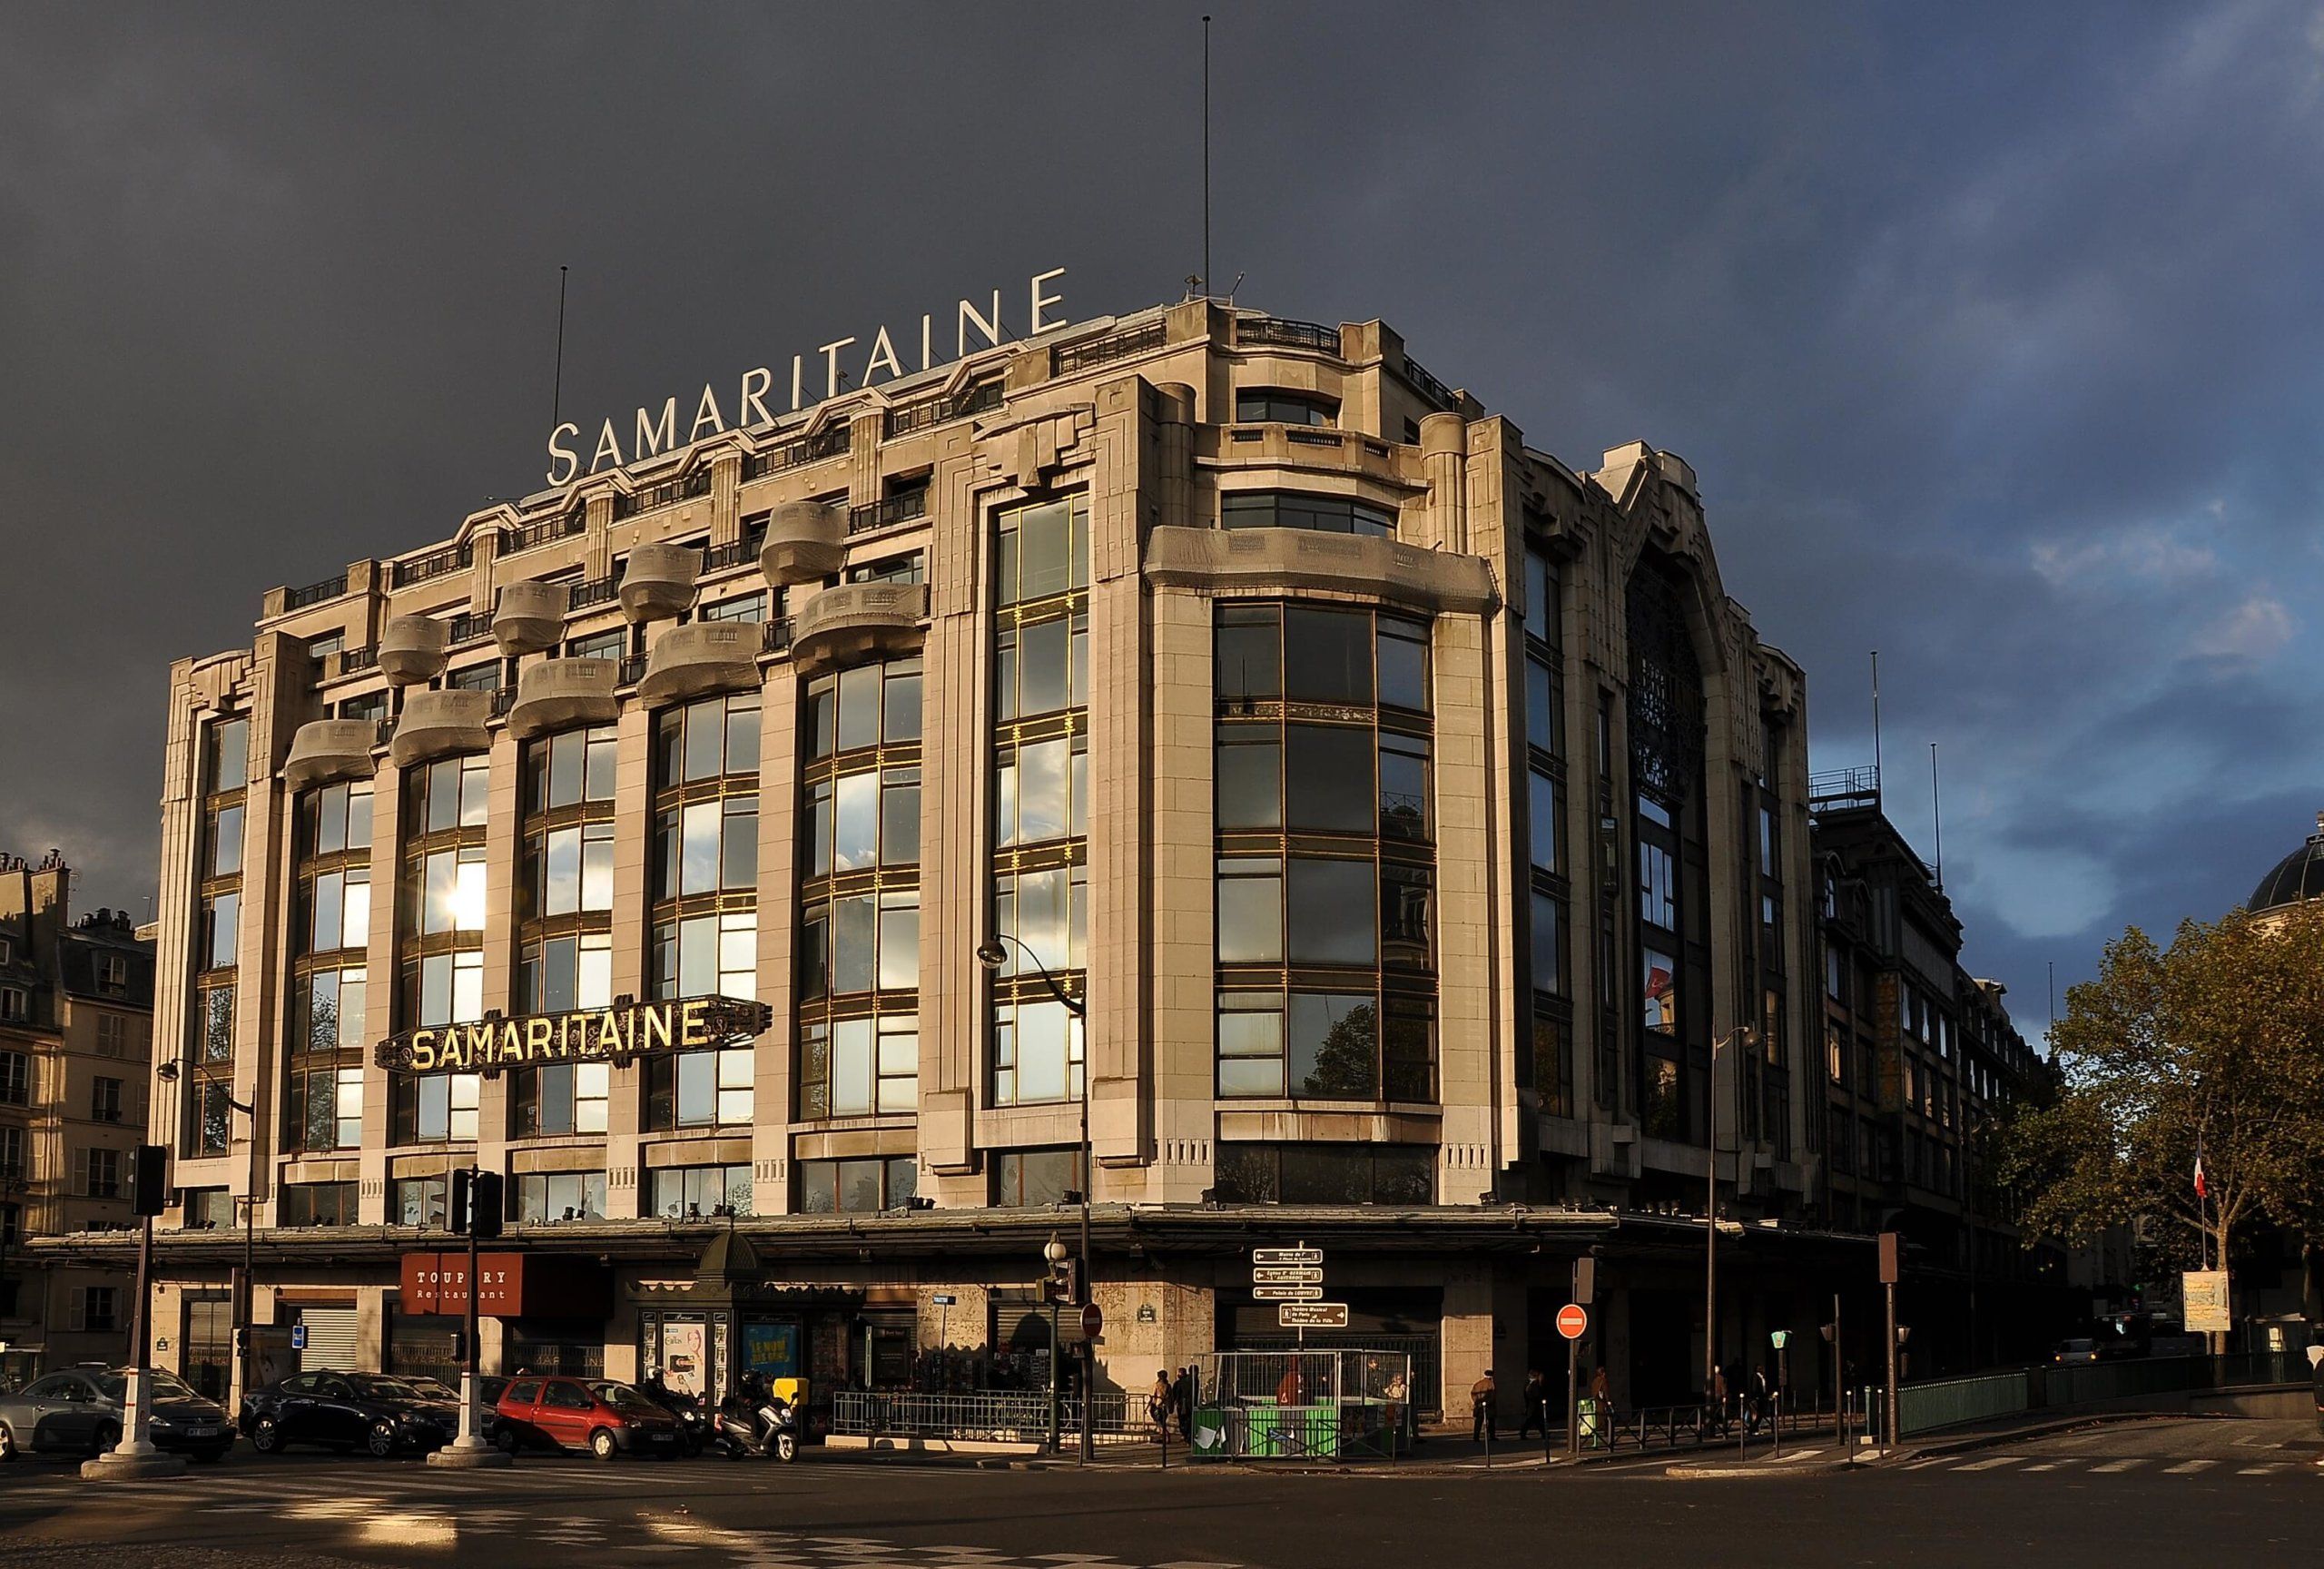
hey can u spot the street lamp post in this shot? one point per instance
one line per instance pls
(992, 957)
(245, 1315)
(1741, 1033)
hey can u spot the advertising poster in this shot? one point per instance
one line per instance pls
(682, 1360)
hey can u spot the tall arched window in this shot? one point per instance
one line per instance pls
(1666, 746)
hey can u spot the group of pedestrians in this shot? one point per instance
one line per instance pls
(1171, 1403)
(1484, 1418)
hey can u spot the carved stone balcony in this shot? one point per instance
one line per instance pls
(707, 657)
(658, 581)
(563, 694)
(411, 649)
(806, 542)
(856, 621)
(529, 617)
(441, 725)
(1211, 559)
(326, 751)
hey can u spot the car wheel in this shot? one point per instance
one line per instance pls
(506, 1441)
(266, 1435)
(602, 1445)
(381, 1440)
(105, 1438)
(8, 1446)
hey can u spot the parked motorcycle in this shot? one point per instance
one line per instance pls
(754, 1425)
(693, 1423)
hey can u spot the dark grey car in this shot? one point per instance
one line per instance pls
(78, 1411)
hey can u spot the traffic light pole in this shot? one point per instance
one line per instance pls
(469, 1200)
(135, 1457)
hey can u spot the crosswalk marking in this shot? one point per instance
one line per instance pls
(2189, 1468)
(2259, 1470)
(1989, 1464)
(2047, 1466)
(2112, 1465)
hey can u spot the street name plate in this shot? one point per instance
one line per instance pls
(1312, 1316)
(1286, 1275)
(1287, 1293)
(1287, 1255)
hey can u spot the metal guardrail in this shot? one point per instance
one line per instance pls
(435, 564)
(562, 528)
(1841, 785)
(1076, 357)
(470, 626)
(1426, 385)
(1252, 331)
(902, 509)
(800, 450)
(663, 495)
(315, 593)
(1953, 1402)
(595, 591)
(906, 418)
(996, 1417)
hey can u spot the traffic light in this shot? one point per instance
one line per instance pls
(151, 1187)
(458, 1211)
(1585, 1280)
(483, 1198)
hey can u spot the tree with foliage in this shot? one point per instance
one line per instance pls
(2216, 1045)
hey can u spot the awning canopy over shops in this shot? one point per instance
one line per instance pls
(742, 1250)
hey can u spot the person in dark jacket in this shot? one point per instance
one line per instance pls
(1537, 1405)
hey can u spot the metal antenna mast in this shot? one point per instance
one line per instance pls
(556, 388)
(1205, 157)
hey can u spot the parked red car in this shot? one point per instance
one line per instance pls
(602, 1418)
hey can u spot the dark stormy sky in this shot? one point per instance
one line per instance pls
(1994, 332)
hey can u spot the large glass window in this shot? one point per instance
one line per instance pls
(705, 898)
(859, 1187)
(326, 1043)
(1396, 1174)
(858, 1041)
(1325, 878)
(440, 925)
(1291, 509)
(699, 1192)
(1041, 791)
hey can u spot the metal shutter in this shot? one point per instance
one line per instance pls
(330, 1339)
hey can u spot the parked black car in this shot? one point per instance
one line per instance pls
(346, 1411)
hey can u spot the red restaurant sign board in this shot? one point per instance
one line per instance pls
(509, 1284)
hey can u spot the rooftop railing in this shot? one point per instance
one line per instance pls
(667, 494)
(435, 564)
(799, 451)
(330, 588)
(1073, 357)
(942, 408)
(548, 528)
(1279, 333)
(1426, 385)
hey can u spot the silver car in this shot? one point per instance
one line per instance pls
(78, 1411)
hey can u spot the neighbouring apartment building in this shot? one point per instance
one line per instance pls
(76, 1003)
(1920, 1063)
(1424, 830)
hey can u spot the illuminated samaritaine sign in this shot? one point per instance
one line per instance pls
(813, 378)
(590, 1035)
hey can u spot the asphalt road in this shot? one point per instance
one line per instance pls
(2155, 1492)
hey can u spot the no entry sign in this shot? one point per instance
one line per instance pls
(1573, 1321)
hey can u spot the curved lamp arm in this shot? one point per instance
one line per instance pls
(992, 957)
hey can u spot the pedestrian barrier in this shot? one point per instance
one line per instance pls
(1945, 1403)
(993, 1417)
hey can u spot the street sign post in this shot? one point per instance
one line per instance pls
(1287, 1256)
(1312, 1316)
(1286, 1293)
(1285, 1274)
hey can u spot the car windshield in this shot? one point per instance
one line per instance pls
(432, 1389)
(623, 1397)
(2081, 1345)
(387, 1389)
(166, 1386)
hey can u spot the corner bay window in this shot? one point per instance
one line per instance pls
(705, 897)
(1041, 796)
(1325, 874)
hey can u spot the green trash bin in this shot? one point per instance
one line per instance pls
(1263, 1428)
(1591, 1422)
(1212, 1429)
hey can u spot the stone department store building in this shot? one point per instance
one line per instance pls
(1412, 813)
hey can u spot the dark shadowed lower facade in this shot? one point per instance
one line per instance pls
(1422, 829)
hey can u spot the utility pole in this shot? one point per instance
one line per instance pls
(1891, 1246)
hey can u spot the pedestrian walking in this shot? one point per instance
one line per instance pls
(1158, 1401)
(1759, 1396)
(1537, 1405)
(1482, 1420)
(1182, 1402)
